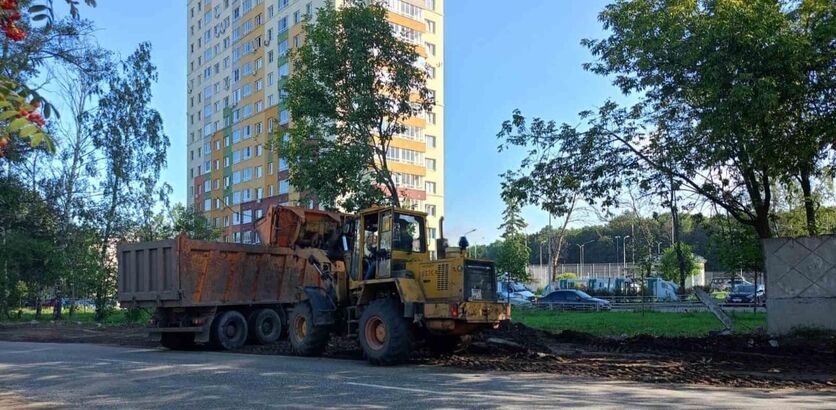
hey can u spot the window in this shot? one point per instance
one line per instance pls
(259, 193)
(236, 157)
(284, 117)
(236, 177)
(217, 184)
(282, 164)
(430, 163)
(430, 26)
(432, 233)
(283, 70)
(226, 162)
(431, 73)
(429, 209)
(207, 185)
(430, 187)
(259, 171)
(430, 141)
(258, 150)
(283, 24)
(207, 204)
(247, 174)
(283, 48)
(431, 117)
(284, 187)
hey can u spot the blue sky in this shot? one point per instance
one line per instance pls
(498, 58)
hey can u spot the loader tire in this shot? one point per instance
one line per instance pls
(266, 326)
(306, 338)
(177, 341)
(385, 335)
(229, 331)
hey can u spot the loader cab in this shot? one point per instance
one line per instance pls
(387, 238)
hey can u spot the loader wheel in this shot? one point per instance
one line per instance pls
(306, 338)
(266, 326)
(177, 341)
(386, 337)
(229, 331)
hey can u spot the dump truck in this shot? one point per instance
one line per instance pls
(315, 274)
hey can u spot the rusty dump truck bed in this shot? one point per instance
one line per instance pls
(189, 273)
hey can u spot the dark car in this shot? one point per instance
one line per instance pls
(572, 299)
(745, 293)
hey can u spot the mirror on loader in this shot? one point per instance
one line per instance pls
(388, 238)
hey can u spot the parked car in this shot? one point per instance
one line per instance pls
(516, 299)
(745, 293)
(573, 299)
(517, 290)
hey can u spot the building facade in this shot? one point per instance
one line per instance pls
(237, 67)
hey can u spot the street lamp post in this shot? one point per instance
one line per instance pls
(617, 238)
(581, 246)
(624, 246)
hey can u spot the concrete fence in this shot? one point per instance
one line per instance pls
(800, 283)
(540, 273)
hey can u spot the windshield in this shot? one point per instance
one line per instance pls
(583, 295)
(518, 287)
(744, 288)
(409, 233)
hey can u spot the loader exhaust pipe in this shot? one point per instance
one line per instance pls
(441, 243)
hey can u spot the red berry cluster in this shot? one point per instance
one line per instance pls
(35, 117)
(10, 16)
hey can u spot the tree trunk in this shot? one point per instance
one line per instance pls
(680, 258)
(809, 202)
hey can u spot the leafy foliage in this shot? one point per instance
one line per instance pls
(353, 85)
(513, 252)
(669, 263)
(721, 84)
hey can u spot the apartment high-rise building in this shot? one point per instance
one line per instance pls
(237, 67)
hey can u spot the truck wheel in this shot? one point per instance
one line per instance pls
(229, 331)
(177, 341)
(386, 337)
(265, 326)
(306, 338)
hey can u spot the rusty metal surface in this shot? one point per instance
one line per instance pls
(287, 226)
(184, 272)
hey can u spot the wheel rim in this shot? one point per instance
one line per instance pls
(267, 327)
(230, 330)
(301, 326)
(375, 333)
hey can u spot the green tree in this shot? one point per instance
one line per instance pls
(719, 84)
(513, 253)
(129, 136)
(193, 223)
(354, 83)
(670, 263)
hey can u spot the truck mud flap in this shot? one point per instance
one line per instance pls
(322, 306)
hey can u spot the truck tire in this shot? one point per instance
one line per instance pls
(266, 326)
(306, 338)
(177, 341)
(229, 331)
(385, 335)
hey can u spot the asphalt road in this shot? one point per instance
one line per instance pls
(94, 376)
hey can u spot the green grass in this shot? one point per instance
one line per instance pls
(636, 323)
(86, 315)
